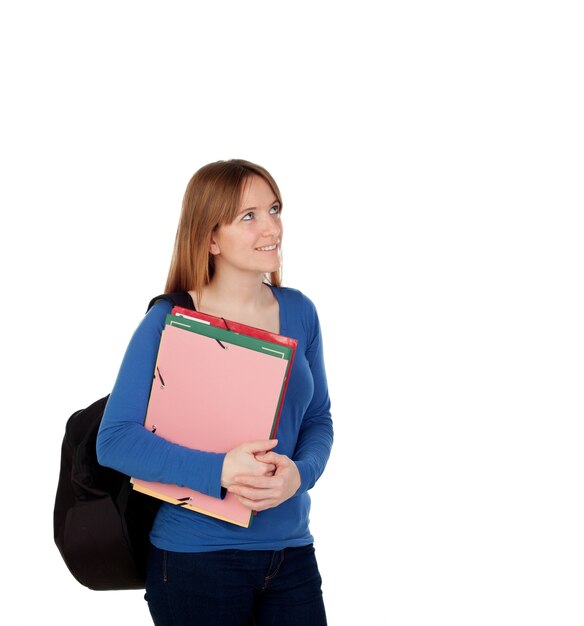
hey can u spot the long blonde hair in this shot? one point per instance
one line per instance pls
(212, 198)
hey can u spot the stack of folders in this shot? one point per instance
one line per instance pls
(217, 384)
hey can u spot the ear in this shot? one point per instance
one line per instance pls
(214, 246)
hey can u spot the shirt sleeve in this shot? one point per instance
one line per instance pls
(315, 438)
(125, 445)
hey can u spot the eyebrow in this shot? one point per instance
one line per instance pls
(254, 208)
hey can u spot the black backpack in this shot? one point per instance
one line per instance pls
(101, 524)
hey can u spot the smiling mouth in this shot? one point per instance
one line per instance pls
(268, 248)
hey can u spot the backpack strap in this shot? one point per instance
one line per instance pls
(179, 298)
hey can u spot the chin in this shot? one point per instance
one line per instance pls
(268, 268)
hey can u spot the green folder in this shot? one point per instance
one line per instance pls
(223, 335)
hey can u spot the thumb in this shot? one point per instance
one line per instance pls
(261, 446)
(268, 457)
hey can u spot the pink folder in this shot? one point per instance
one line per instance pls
(213, 399)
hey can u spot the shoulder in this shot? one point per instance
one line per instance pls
(298, 308)
(296, 300)
(160, 308)
(155, 317)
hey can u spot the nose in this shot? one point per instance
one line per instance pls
(271, 226)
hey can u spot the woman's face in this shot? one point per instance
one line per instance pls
(252, 242)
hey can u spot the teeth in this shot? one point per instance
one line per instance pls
(268, 248)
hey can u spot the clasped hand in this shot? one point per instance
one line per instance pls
(261, 479)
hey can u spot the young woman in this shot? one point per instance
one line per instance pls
(202, 570)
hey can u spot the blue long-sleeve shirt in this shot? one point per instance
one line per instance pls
(305, 434)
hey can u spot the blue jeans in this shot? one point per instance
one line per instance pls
(235, 588)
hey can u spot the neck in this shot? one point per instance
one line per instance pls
(241, 292)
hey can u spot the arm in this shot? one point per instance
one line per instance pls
(315, 438)
(124, 444)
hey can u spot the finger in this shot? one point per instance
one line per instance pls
(260, 482)
(260, 446)
(250, 504)
(269, 457)
(264, 469)
(255, 494)
(260, 505)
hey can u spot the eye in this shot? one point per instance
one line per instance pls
(247, 217)
(275, 210)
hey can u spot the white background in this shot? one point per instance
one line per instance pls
(430, 156)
